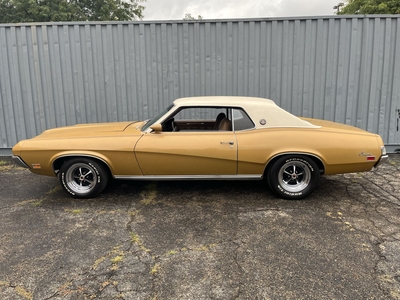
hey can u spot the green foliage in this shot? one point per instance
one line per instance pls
(21, 11)
(189, 17)
(371, 7)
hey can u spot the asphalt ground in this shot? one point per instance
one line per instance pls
(201, 239)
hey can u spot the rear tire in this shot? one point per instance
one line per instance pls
(293, 177)
(83, 177)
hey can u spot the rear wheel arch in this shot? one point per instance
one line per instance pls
(315, 158)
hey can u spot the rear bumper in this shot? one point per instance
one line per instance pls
(383, 157)
(381, 160)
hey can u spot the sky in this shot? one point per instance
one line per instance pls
(225, 9)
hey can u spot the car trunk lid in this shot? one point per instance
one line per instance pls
(335, 126)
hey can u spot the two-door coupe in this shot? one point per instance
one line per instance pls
(203, 138)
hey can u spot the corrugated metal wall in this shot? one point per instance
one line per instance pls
(345, 69)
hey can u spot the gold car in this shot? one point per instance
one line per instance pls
(221, 138)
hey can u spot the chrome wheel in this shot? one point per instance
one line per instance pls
(81, 178)
(294, 176)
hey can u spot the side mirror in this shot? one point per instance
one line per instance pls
(156, 127)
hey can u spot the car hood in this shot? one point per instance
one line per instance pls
(91, 130)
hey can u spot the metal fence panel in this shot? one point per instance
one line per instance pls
(340, 68)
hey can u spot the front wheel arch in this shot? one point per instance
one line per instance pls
(59, 161)
(100, 175)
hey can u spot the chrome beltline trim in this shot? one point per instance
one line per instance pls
(190, 177)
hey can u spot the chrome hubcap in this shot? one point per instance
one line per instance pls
(294, 176)
(81, 178)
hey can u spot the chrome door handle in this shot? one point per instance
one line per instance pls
(230, 143)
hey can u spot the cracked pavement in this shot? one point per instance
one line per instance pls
(201, 239)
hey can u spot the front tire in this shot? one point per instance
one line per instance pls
(293, 177)
(83, 177)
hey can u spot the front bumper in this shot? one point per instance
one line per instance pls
(18, 160)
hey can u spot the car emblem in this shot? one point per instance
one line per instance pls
(364, 154)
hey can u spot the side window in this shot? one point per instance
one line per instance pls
(241, 120)
(199, 119)
(208, 114)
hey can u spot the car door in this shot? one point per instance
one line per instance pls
(193, 148)
(187, 153)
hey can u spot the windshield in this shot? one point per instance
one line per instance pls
(153, 120)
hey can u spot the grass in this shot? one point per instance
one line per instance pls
(134, 212)
(34, 202)
(74, 211)
(149, 194)
(136, 240)
(4, 165)
(98, 261)
(117, 259)
(155, 269)
(23, 293)
(53, 190)
(202, 248)
(38, 202)
(205, 247)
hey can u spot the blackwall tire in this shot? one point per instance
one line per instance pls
(83, 177)
(293, 177)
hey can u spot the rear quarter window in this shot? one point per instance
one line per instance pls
(241, 120)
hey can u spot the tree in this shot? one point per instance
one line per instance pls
(371, 7)
(189, 17)
(20, 11)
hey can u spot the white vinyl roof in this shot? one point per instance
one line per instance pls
(257, 108)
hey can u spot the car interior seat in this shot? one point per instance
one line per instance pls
(225, 125)
(218, 120)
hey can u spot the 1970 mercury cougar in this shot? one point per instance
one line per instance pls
(203, 138)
